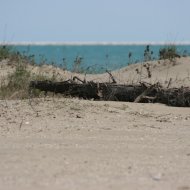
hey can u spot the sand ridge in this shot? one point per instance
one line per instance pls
(162, 71)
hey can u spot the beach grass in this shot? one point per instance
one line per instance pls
(16, 84)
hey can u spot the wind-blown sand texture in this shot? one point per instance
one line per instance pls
(64, 143)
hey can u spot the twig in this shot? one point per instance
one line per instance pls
(169, 83)
(144, 94)
(21, 124)
(113, 79)
(75, 77)
(30, 101)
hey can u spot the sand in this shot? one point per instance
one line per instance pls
(177, 72)
(68, 143)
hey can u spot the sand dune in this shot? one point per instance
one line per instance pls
(161, 71)
(59, 143)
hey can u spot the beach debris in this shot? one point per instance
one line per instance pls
(157, 177)
(142, 92)
(20, 126)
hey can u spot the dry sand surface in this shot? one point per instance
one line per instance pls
(63, 143)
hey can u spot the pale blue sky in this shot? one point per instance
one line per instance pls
(94, 20)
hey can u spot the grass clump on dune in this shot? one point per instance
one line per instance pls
(15, 85)
(5, 52)
(169, 52)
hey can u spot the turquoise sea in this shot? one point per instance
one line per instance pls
(92, 58)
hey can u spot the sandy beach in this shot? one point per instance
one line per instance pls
(69, 143)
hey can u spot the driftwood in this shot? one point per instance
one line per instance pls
(116, 92)
(91, 90)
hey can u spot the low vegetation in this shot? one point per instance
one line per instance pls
(148, 54)
(15, 84)
(5, 52)
(169, 52)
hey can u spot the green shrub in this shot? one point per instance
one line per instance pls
(5, 52)
(16, 84)
(169, 52)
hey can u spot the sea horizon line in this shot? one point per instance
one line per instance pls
(94, 43)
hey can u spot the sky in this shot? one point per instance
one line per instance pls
(94, 21)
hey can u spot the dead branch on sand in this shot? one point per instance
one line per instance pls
(143, 92)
